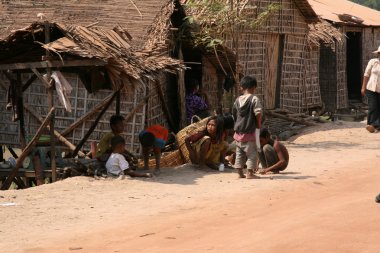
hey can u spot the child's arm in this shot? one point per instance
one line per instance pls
(192, 153)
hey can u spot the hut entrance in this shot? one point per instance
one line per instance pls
(354, 47)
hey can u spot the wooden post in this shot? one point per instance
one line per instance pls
(51, 105)
(20, 106)
(89, 132)
(118, 103)
(164, 106)
(28, 148)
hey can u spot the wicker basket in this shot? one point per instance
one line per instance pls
(169, 159)
(191, 129)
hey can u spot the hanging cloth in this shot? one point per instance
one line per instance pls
(63, 89)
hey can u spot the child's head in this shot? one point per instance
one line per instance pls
(118, 144)
(116, 124)
(228, 122)
(248, 82)
(265, 136)
(214, 127)
(147, 139)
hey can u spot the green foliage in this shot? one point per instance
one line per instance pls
(212, 20)
(374, 4)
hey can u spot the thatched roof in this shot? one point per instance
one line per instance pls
(124, 65)
(134, 15)
(324, 32)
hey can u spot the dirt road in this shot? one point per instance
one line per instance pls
(324, 202)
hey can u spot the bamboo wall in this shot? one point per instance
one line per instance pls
(293, 76)
(135, 16)
(210, 83)
(328, 77)
(82, 102)
(154, 111)
(311, 95)
(370, 43)
(341, 80)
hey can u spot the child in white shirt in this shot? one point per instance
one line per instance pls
(116, 164)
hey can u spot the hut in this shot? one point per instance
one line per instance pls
(281, 54)
(79, 18)
(341, 68)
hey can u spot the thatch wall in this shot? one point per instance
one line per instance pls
(370, 42)
(341, 74)
(82, 102)
(136, 16)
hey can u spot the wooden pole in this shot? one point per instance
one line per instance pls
(291, 119)
(136, 108)
(7, 183)
(87, 115)
(51, 105)
(164, 105)
(58, 135)
(118, 103)
(93, 126)
(20, 110)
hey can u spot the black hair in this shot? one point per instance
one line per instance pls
(191, 84)
(115, 119)
(248, 82)
(219, 127)
(264, 133)
(147, 139)
(228, 122)
(116, 140)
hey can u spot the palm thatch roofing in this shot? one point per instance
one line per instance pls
(111, 48)
(324, 32)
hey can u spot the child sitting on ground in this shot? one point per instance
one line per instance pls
(116, 164)
(208, 146)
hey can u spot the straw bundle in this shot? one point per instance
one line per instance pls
(191, 129)
(169, 159)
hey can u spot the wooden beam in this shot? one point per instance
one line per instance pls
(87, 115)
(42, 79)
(138, 106)
(29, 82)
(53, 64)
(291, 119)
(58, 135)
(164, 106)
(20, 105)
(6, 184)
(94, 124)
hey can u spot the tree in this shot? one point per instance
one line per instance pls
(374, 4)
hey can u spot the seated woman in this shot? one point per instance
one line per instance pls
(196, 101)
(208, 147)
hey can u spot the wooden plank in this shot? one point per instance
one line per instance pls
(29, 82)
(25, 152)
(271, 71)
(53, 64)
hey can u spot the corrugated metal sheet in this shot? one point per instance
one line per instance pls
(330, 9)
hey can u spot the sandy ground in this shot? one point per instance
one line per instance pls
(323, 202)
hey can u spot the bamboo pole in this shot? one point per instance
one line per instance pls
(28, 148)
(93, 126)
(87, 115)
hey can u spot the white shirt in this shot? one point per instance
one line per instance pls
(116, 164)
(373, 72)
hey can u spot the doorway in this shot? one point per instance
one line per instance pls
(353, 65)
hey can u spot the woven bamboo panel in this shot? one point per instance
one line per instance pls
(155, 114)
(210, 83)
(293, 72)
(328, 77)
(370, 42)
(82, 102)
(135, 16)
(341, 82)
(311, 93)
(287, 20)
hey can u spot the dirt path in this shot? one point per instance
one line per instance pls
(324, 203)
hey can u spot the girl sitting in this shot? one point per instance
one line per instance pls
(208, 146)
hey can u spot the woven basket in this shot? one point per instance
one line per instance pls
(189, 130)
(169, 159)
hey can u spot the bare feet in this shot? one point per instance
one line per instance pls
(370, 128)
(241, 173)
(251, 174)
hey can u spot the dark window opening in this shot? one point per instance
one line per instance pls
(353, 67)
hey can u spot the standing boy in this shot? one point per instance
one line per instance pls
(247, 114)
(153, 139)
